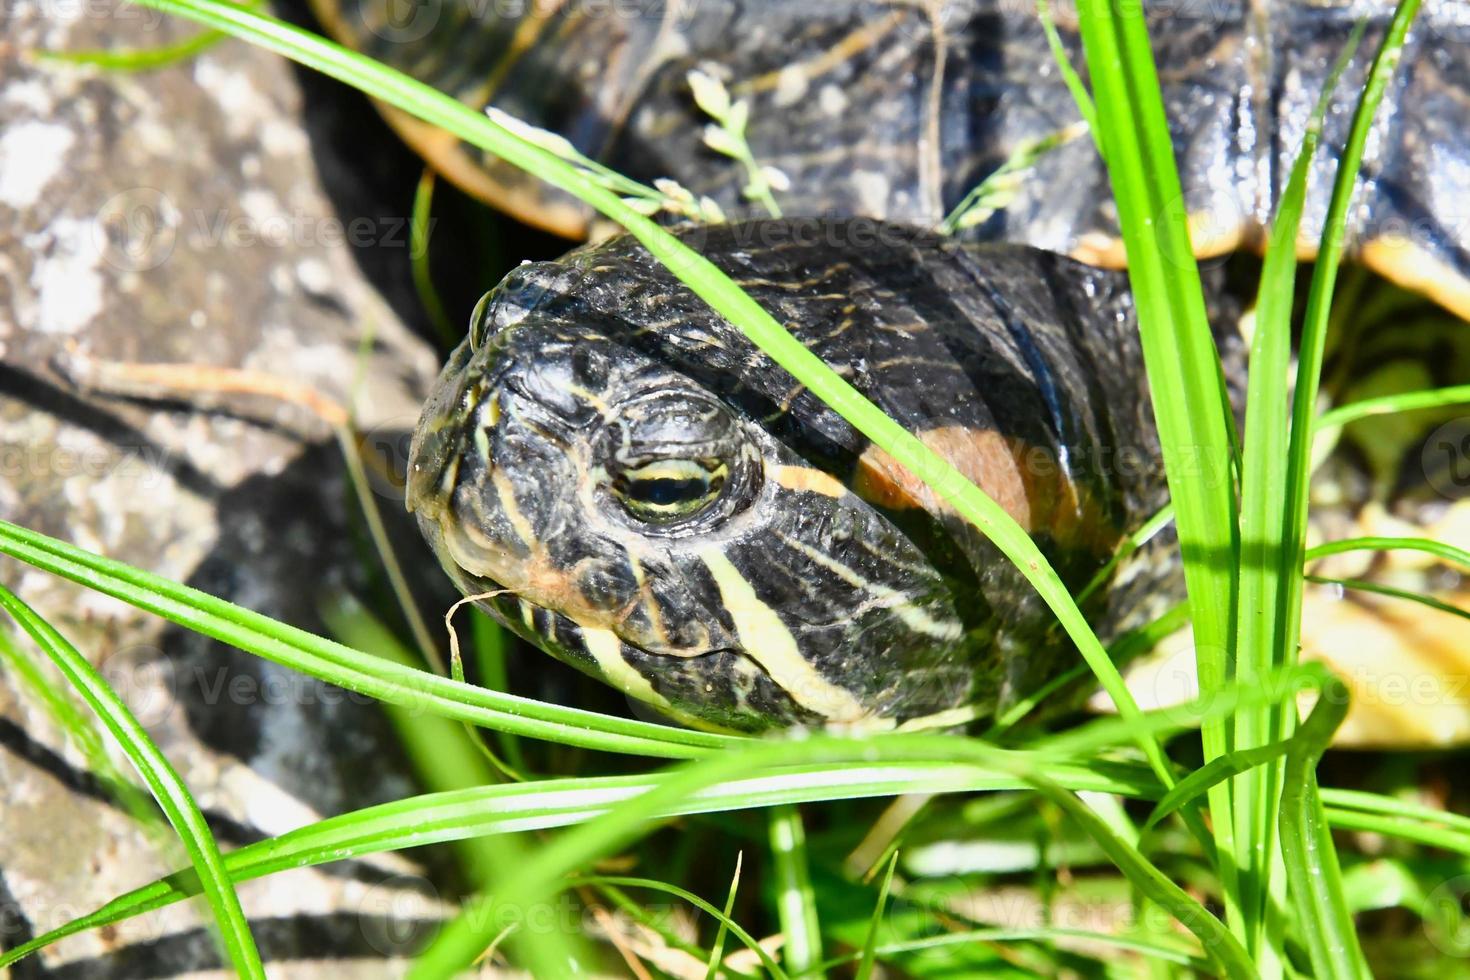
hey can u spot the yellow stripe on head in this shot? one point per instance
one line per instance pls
(806, 478)
(767, 640)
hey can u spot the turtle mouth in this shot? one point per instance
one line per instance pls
(545, 626)
(597, 651)
(535, 622)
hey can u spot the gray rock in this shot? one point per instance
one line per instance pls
(177, 216)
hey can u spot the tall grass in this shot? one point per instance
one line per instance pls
(1257, 772)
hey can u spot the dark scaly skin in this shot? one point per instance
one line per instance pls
(894, 110)
(1046, 386)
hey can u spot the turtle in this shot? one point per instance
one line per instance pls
(657, 506)
(631, 486)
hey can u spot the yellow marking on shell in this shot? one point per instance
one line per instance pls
(1415, 269)
(607, 650)
(1097, 248)
(1208, 237)
(805, 478)
(1396, 259)
(528, 614)
(901, 603)
(765, 639)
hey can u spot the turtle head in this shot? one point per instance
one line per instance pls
(629, 520)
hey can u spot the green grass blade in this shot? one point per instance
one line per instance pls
(1060, 936)
(717, 948)
(500, 809)
(1431, 547)
(341, 665)
(1190, 404)
(1318, 311)
(1132, 643)
(167, 788)
(1312, 871)
(1264, 570)
(140, 59)
(1419, 833)
(420, 225)
(462, 939)
(796, 903)
(81, 730)
(1345, 800)
(1407, 401)
(1104, 734)
(446, 756)
(1326, 922)
(439, 750)
(1215, 771)
(1378, 588)
(491, 648)
(870, 944)
(1145, 533)
(504, 809)
(1080, 96)
(706, 281)
(367, 502)
(656, 921)
(1179, 349)
(510, 808)
(1284, 685)
(1229, 957)
(727, 924)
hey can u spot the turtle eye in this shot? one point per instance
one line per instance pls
(669, 490)
(479, 319)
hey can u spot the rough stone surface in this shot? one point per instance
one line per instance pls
(177, 216)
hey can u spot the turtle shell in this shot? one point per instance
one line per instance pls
(895, 111)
